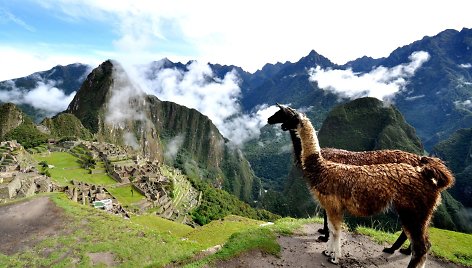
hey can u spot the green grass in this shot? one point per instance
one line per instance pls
(163, 225)
(218, 231)
(90, 230)
(287, 226)
(262, 239)
(66, 168)
(448, 245)
(124, 196)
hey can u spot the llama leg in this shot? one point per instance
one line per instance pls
(334, 242)
(324, 230)
(416, 226)
(400, 240)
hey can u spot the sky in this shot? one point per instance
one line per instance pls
(36, 35)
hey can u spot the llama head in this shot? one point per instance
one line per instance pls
(287, 116)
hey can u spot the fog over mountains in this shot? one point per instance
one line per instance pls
(430, 81)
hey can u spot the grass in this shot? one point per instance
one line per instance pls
(66, 168)
(217, 232)
(449, 245)
(150, 241)
(163, 225)
(124, 195)
(142, 241)
(287, 226)
(262, 239)
(91, 230)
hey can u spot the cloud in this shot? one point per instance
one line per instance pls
(467, 104)
(45, 96)
(130, 140)
(20, 61)
(465, 65)
(173, 146)
(198, 87)
(381, 83)
(124, 92)
(7, 16)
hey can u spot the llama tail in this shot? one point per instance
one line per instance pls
(437, 171)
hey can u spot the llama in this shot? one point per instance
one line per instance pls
(414, 192)
(348, 157)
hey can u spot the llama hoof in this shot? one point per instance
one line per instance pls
(333, 260)
(327, 253)
(406, 251)
(388, 250)
(322, 239)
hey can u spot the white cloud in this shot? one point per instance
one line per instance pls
(45, 96)
(197, 87)
(6, 16)
(465, 65)
(173, 146)
(467, 104)
(381, 83)
(19, 61)
(124, 92)
(251, 33)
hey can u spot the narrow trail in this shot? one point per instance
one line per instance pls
(302, 250)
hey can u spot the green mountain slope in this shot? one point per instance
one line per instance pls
(66, 126)
(368, 124)
(15, 125)
(111, 107)
(457, 152)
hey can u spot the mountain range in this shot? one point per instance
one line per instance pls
(429, 82)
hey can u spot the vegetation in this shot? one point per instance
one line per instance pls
(66, 167)
(448, 245)
(142, 241)
(216, 204)
(66, 126)
(27, 135)
(90, 230)
(126, 195)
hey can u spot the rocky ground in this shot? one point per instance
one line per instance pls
(23, 224)
(302, 250)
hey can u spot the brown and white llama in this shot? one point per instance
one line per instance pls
(365, 190)
(348, 157)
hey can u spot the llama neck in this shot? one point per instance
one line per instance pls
(297, 146)
(310, 144)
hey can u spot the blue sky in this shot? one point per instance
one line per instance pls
(37, 35)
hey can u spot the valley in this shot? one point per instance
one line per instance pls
(173, 164)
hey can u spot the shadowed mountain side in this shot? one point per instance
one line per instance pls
(112, 107)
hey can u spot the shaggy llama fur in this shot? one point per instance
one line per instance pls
(365, 190)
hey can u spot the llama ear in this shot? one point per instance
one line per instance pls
(279, 105)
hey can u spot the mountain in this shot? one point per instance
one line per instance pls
(436, 99)
(16, 125)
(367, 124)
(360, 125)
(10, 118)
(67, 78)
(112, 108)
(457, 152)
(65, 125)
(289, 83)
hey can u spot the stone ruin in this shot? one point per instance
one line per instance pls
(87, 194)
(18, 174)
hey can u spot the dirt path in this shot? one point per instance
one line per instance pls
(27, 223)
(302, 250)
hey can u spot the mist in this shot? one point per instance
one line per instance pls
(199, 88)
(45, 96)
(381, 83)
(173, 146)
